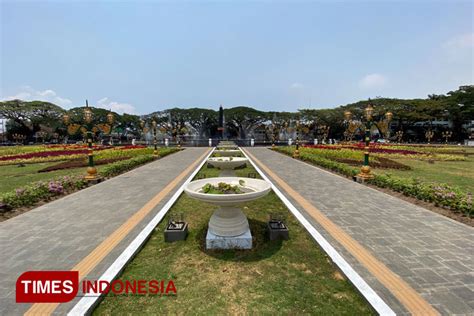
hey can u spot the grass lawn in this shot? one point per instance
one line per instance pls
(284, 277)
(13, 177)
(457, 173)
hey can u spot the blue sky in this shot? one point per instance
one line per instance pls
(145, 56)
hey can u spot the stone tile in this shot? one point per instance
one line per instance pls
(61, 233)
(434, 254)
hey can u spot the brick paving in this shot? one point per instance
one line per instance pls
(57, 235)
(432, 253)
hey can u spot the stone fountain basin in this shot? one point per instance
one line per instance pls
(226, 163)
(227, 146)
(227, 153)
(258, 188)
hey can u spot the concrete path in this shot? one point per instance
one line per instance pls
(61, 234)
(432, 254)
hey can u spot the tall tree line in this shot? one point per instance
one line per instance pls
(413, 116)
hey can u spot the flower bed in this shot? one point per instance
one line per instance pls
(80, 163)
(17, 150)
(44, 154)
(30, 195)
(373, 149)
(58, 154)
(377, 162)
(41, 191)
(439, 194)
(356, 151)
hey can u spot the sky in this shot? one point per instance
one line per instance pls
(144, 56)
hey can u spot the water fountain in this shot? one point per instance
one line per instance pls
(227, 149)
(228, 226)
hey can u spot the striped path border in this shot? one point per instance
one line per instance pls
(370, 295)
(90, 300)
(89, 262)
(405, 294)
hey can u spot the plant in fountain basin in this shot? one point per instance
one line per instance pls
(223, 188)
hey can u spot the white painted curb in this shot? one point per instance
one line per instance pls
(89, 301)
(373, 298)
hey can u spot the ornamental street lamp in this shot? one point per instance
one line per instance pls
(296, 153)
(144, 129)
(399, 135)
(429, 135)
(18, 138)
(40, 134)
(273, 130)
(447, 135)
(178, 135)
(324, 132)
(382, 126)
(155, 141)
(177, 132)
(56, 137)
(154, 133)
(88, 128)
(352, 126)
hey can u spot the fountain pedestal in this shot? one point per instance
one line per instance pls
(243, 241)
(228, 229)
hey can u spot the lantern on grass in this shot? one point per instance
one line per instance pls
(177, 228)
(276, 227)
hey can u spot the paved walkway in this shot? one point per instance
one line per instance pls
(61, 234)
(432, 254)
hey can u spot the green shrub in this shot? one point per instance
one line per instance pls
(122, 166)
(439, 194)
(40, 191)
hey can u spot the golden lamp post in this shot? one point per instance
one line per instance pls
(88, 128)
(324, 132)
(177, 132)
(154, 132)
(18, 138)
(296, 153)
(399, 135)
(429, 135)
(447, 135)
(273, 131)
(365, 172)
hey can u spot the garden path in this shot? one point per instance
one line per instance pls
(413, 258)
(87, 230)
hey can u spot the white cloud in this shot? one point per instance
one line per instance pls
(120, 108)
(28, 93)
(296, 85)
(464, 41)
(372, 81)
(459, 47)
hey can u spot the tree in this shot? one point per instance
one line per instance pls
(27, 117)
(242, 120)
